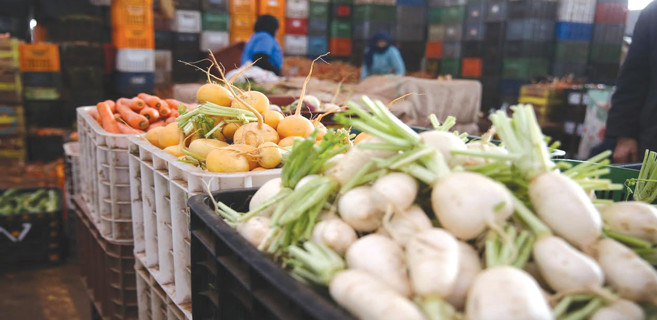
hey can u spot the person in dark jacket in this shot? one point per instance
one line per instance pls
(263, 47)
(632, 119)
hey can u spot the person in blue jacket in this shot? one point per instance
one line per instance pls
(263, 47)
(381, 57)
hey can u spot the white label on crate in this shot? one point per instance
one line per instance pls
(569, 127)
(575, 98)
(495, 8)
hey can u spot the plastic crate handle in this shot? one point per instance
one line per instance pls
(26, 228)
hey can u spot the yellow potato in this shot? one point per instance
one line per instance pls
(227, 159)
(201, 147)
(153, 136)
(170, 136)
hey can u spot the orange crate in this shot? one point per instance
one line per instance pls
(434, 50)
(38, 57)
(471, 67)
(134, 38)
(242, 7)
(240, 34)
(340, 47)
(274, 7)
(242, 21)
(132, 13)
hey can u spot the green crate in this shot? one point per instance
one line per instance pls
(450, 66)
(340, 29)
(318, 10)
(216, 21)
(374, 12)
(525, 68)
(571, 51)
(605, 53)
(435, 15)
(453, 14)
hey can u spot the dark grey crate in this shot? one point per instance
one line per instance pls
(451, 49)
(528, 49)
(366, 30)
(411, 15)
(446, 3)
(608, 33)
(317, 27)
(453, 32)
(530, 29)
(476, 12)
(410, 32)
(562, 69)
(496, 10)
(539, 9)
(474, 31)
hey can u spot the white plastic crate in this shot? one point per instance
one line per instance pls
(296, 45)
(72, 168)
(213, 40)
(297, 8)
(160, 186)
(188, 21)
(135, 60)
(153, 300)
(582, 11)
(105, 180)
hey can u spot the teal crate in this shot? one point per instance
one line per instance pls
(318, 10)
(216, 21)
(435, 15)
(340, 29)
(374, 12)
(571, 51)
(525, 68)
(605, 53)
(453, 14)
(450, 66)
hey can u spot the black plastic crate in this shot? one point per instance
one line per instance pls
(80, 79)
(79, 55)
(77, 28)
(231, 279)
(474, 31)
(495, 32)
(532, 9)
(451, 49)
(317, 28)
(608, 33)
(603, 70)
(366, 30)
(529, 49)
(185, 45)
(476, 12)
(163, 40)
(413, 53)
(42, 79)
(32, 237)
(358, 48)
(45, 148)
(48, 113)
(492, 67)
(187, 4)
(530, 29)
(214, 5)
(409, 32)
(17, 26)
(496, 11)
(411, 15)
(472, 49)
(562, 69)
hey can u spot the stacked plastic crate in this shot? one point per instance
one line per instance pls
(340, 28)
(133, 37)
(186, 40)
(318, 21)
(295, 42)
(370, 17)
(275, 8)
(163, 53)
(12, 129)
(410, 32)
(609, 29)
(529, 43)
(215, 25)
(446, 19)
(242, 19)
(472, 48)
(574, 31)
(493, 53)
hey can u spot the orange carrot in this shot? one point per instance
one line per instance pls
(107, 118)
(150, 113)
(174, 113)
(117, 117)
(165, 111)
(111, 104)
(151, 101)
(137, 104)
(173, 104)
(170, 119)
(134, 119)
(94, 114)
(124, 128)
(158, 123)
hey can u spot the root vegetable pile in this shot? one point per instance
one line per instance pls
(434, 226)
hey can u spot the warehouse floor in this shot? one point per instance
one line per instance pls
(48, 293)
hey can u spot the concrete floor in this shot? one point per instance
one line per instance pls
(43, 293)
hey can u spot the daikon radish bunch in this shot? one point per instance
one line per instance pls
(362, 294)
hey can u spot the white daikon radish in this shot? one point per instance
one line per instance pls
(619, 310)
(305, 180)
(433, 262)
(357, 209)
(632, 218)
(467, 203)
(255, 229)
(563, 267)
(469, 268)
(566, 208)
(480, 146)
(406, 224)
(444, 142)
(394, 191)
(632, 277)
(506, 293)
(268, 190)
(335, 234)
(368, 298)
(382, 258)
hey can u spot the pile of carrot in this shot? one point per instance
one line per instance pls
(135, 115)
